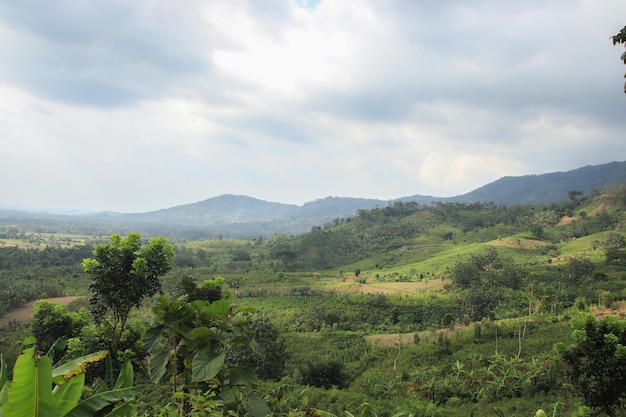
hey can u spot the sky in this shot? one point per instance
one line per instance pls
(139, 105)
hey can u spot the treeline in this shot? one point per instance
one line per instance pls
(14, 258)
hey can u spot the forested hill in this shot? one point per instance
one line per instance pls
(548, 188)
(243, 216)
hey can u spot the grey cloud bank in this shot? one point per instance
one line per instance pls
(137, 106)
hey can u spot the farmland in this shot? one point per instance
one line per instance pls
(422, 309)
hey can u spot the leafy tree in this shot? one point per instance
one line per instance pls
(621, 38)
(52, 321)
(209, 290)
(575, 195)
(269, 357)
(615, 249)
(485, 281)
(325, 374)
(124, 273)
(596, 362)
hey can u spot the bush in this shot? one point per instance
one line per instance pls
(52, 321)
(325, 375)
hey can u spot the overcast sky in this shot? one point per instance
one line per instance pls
(135, 106)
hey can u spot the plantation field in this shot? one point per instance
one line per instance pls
(373, 286)
(447, 310)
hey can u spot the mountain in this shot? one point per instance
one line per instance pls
(549, 188)
(243, 216)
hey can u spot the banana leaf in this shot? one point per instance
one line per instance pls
(126, 377)
(76, 367)
(30, 393)
(104, 401)
(68, 394)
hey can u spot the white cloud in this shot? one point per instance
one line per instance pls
(136, 106)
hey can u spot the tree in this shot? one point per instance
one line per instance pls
(209, 290)
(123, 274)
(269, 357)
(615, 249)
(596, 363)
(52, 321)
(621, 38)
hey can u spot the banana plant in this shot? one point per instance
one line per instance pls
(29, 394)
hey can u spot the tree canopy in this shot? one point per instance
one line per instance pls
(124, 273)
(596, 363)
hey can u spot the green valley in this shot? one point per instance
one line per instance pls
(445, 309)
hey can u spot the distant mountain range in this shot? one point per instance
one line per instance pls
(243, 216)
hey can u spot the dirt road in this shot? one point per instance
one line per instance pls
(24, 314)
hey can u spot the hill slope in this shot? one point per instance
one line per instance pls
(243, 216)
(549, 188)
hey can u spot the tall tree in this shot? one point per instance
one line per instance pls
(124, 273)
(596, 363)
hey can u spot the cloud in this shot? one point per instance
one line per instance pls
(100, 53)
(136, 106)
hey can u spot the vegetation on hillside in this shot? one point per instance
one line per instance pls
(444, 309)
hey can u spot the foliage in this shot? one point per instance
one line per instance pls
(596, 362)
(29, 393)
(199, 340)
(269, 356)
(94, 337)
(325, 374)
(621, 38)
(490, 379)
(124, 273)
(52, 321)
(485, 281)
(208, 290)
(615, 249)
(523, 282)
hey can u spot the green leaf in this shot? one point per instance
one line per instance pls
(206, 365)
(126, 377)
(199, 332)
(58, 346)
(30, 340)
(4, 372)
(256, 407)
(220, 307)
(76, 367)
(102, 402)
(123, 410)
(158, 366)
(151, 337)
(243, 375)
(68, 394)
(4, 384)
(30, 393)
(314, 412)
(245, 309)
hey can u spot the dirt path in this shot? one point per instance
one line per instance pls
(24, 314)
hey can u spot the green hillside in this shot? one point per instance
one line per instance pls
(449, 309)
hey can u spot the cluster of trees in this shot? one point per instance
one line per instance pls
(198, 338)
(212, 351)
